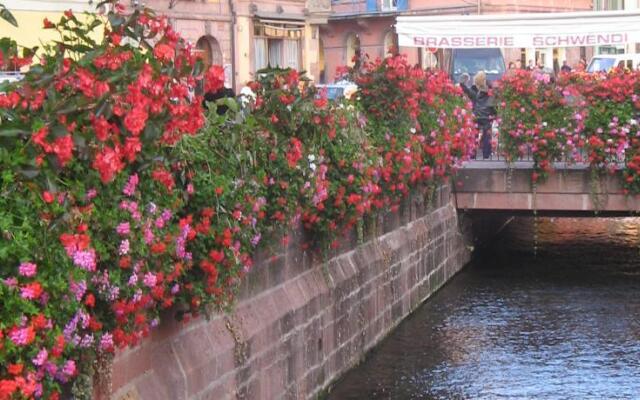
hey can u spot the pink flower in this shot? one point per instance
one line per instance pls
(124, 247)
(130, 187)
(41, 358)
(22, 336)
(69, 368)
(123, 229)
(150, 279)
(85, 259)
(11, 282)
(27, 269)
(106, 342)
(148, 235)
(31, 291)
(91, 194)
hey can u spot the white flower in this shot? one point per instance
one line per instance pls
(311, 158)
(633, 122)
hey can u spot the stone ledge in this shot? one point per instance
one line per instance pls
(292, 339)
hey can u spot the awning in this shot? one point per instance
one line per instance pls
(591, 28)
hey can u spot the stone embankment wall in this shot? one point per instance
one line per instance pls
(300, 323)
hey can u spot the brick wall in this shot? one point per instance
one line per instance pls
(300, 323)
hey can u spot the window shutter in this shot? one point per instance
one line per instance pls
(403, 5)
(372, 5)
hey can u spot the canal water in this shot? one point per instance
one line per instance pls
(562, 325)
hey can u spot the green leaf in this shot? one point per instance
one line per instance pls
(7, 16)
(12, 132)
(151, 131)
(59, 130)
(229, 102)
(29, 173)
(116, 20)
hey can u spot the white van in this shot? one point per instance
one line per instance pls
(604, 62)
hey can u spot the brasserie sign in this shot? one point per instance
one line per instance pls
(520, 30)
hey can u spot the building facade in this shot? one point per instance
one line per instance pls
(368, 26)
(608, 5)
(242, 35)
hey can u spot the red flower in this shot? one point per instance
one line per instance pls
(48, 24)
(158, 248)
(163, 176)
(214, 79)
(90, 300)
(63, 149)
(101, 127)
(7, 388)
(73, 243)
(164, 52)
(15, 369)
(47, 197)
(108, 163)
(132, 147)
(135, 120)
(295, 152)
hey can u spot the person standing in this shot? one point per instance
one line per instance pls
(531, 66)
(483, 108)
(565, 67)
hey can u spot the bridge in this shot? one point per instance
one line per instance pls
(494, 185)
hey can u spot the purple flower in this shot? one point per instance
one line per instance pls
(78, 289)
(175, 289)
(256, 239)
(27, 269)
(41, 358)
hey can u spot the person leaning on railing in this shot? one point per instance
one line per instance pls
(483, 108)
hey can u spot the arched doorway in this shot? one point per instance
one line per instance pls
(210, 49)
(353, 47)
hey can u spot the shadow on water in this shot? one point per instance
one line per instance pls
(562, 325)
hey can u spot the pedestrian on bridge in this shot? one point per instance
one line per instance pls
(483, 108)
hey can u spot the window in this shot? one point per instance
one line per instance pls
(389, 5)
(276, 45)
(602, 5)
(353, 48)
(390, 44)
(210, 50)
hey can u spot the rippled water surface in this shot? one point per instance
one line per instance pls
(563, 325)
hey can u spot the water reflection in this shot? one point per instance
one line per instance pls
(564, 325)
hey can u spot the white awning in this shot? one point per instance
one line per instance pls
(591, 28)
